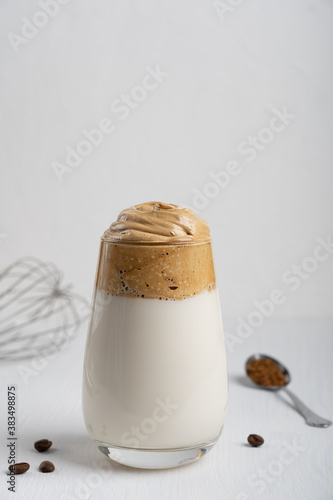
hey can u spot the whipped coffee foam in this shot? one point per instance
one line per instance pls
(156, 222)
(156, 251)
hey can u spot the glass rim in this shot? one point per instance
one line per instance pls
(154, 244)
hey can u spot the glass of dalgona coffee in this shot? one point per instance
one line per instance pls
(155, 374)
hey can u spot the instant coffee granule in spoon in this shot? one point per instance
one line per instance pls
(266, 373)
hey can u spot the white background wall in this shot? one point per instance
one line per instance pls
(226, 72)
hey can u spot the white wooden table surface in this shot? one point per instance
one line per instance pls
(296, 461)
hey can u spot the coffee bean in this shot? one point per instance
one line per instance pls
(42, 444)
(19, 468)
(46, 466)
(255, 440)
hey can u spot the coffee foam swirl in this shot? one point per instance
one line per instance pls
(156, 222)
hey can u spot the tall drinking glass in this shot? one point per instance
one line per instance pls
(155, 375)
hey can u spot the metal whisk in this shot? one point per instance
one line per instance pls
(36, 311)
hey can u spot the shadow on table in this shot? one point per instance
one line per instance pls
(245, 382)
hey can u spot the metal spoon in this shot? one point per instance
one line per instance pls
(311, 418)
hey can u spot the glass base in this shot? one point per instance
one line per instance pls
(155, 459)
